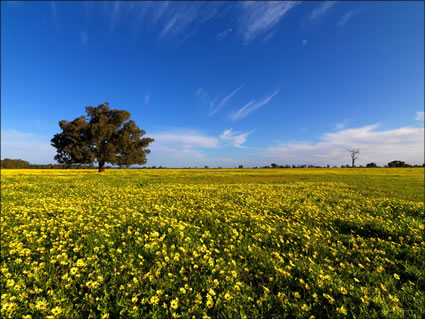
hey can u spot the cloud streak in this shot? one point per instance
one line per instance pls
(347, 17)
(54, 11)
(221, 35)
(419, 116)
(252, 106)
(177, 21)
(185, 139)
(223, 101)
(321, 9)
(84, 37)
(262, 18)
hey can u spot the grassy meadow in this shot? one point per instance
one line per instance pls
(213, 243)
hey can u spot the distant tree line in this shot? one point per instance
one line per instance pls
(372, 164)
(18, 163)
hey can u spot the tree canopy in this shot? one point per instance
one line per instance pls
(398, 164)
(105, 136)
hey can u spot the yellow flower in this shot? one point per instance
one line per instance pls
(81, 263)
(396, 276)
(343, 290)
(341, 310)
(154, 300)
(297, 295)
(393, 298)
(227, 296)
(10, 283)
(210, 303)
(56, 311)
(41, 305)
(175, 303)
(397, 309)
(329, 298)
(305, 307)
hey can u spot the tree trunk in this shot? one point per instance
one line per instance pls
(352, 163)
(101, 167)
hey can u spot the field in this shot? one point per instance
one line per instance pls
(263, 243)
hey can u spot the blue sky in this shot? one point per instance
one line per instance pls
(220, 83)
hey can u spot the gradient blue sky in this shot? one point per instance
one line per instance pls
(221, 83)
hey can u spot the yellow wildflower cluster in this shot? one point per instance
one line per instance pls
(141, 243)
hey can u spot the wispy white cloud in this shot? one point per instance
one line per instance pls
(184, 148)
(221, 35)
(185, 139)
(381, 147)
(84, 37)
(202, 95)
(15, 3)
(419, 116)
(200, 92)
(147, 97)
(259, 18)
(30, 147)
(181, 148)
(181, 20)
(342, 125)
(54, 11)
(223, 101)
(321, 9)
(168, 26)
(116, 13)
(347, 17)
(304, 43)
(252, 106)
(234, 138)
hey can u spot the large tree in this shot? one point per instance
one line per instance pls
(105, 136)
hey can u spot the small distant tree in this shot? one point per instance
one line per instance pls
(241, 166)
(372, 164)
(105, 136)
(353, 153)
(397, 164)
(274, 165)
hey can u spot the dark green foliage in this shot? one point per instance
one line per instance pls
(372, 164)
(107, 136)
(14, 163)
(398, 164)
